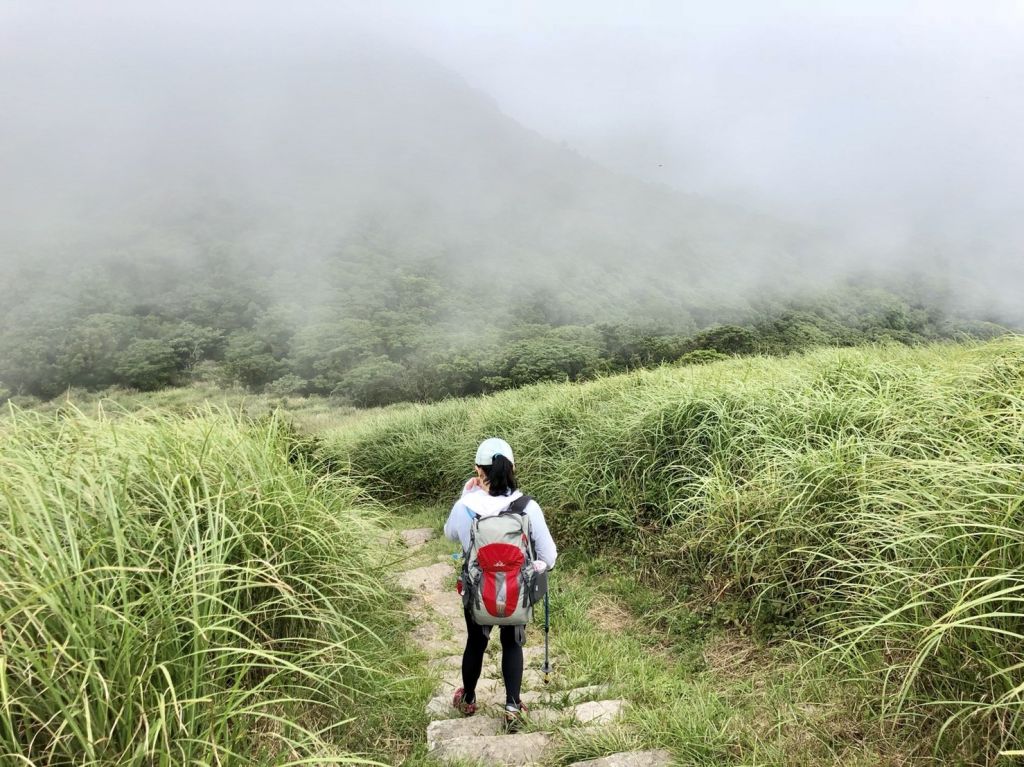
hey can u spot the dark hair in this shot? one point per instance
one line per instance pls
(501, 475)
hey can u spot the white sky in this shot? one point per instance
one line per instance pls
(821, 108)
(891, 115)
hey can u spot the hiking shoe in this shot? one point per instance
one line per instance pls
(459, 702)
(514, 716)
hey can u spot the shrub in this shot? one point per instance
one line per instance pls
(287, 385)
(147, 365)
(375, 381)
(701, 357)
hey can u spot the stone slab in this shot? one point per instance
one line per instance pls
(440, 706)
(463, 727)
(532, 680)
(598, 711)
(448, 662)
(549, 717)
(434, 640)
(416, 537)
(491, 695)
(429, 578)
(519, 750)
(448, 606)
(656, 758)
(534, 653)
(485, 686)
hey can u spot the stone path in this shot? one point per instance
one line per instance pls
(481, 738)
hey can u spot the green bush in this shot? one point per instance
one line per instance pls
(701, 357)
(148, 365)
(287, 385)
(250, 359)
(727, 339)
(375, 381)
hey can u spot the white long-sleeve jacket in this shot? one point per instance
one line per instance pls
(478, 502)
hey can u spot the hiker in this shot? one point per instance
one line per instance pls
(492, 491)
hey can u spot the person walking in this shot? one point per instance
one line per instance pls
(490, 492)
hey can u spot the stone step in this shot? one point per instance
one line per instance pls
(519, 750)
(417, 537)
(447, 662)
(452, 664)
(491, 692)
(449, 610)
(491, 696)
(433, 639)
(655, 758)
(485, 685)
(590, 714)
(440, 706)
(534, 648)
(463, 727)
(429, 578)
(598, 711)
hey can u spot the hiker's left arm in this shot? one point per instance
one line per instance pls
(544, 544)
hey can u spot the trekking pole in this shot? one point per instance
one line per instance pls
(547, 628)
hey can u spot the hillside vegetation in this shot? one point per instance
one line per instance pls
(187, 591)
(865, 502)
(373, 229)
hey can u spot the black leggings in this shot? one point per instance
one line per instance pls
(511, 659)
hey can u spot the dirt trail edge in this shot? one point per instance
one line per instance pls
(553, 712)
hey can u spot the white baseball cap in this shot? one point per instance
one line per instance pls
(492, 447)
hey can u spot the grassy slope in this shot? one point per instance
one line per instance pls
(865, 502)
(186, 590)
(309, 413)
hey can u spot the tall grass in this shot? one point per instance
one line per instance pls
(869, 502)
(180, 591)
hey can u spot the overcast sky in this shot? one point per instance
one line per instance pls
(891, 116)
(893, 113)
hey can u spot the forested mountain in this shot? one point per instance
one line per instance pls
(366, 224)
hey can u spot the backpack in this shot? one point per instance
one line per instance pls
(499, 582)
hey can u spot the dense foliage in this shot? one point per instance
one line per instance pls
(371, 330)
(186, 591)
(868, 502)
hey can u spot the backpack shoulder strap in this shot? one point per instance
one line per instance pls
(518, 506)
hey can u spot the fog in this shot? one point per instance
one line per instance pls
(896, 125)
(876, 135)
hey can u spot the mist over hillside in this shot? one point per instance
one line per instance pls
(279, 160)
(320, 211)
